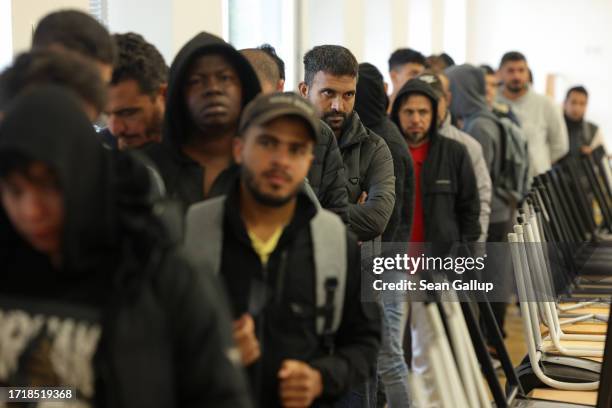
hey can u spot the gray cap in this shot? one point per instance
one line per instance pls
(265, 108)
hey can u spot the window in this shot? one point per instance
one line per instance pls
(255, 22)
(99, 10)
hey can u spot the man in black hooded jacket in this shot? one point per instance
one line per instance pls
(445, 184)
(371, 104)
(91, 291)
(209, 84)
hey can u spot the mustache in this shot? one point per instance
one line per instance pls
(277, 172)
(335, 114)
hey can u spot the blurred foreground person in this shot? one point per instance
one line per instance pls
(91, 291)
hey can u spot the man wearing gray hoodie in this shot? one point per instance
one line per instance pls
(469, 107)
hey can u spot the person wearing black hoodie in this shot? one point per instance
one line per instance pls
(447, 204)
(209, 84)
(371, 104)
(94, 295)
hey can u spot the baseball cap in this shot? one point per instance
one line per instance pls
(265, 108)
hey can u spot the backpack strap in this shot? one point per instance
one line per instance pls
(329, 247)
(205, 219)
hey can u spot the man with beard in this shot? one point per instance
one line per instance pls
(208, 85)
(447, 203)
(285, 264)
(326, 175)
(584, 136)
(137, 94)
(540, 120)
(330, 83)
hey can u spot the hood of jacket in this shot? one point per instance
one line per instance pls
(371, 101)
(177, 123)
(467, 84)
(416, 86)
(48, 125)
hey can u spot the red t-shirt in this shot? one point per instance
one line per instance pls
(419, 154)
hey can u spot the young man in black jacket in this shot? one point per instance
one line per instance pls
(290, 268)
(93, 294)
(326, 175)
(330, 83)
(209, 84)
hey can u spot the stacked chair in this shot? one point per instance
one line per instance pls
(561, 252)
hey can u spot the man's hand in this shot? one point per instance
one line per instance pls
(586, 149)
(362, 198)
(244, 336)
(300, 384)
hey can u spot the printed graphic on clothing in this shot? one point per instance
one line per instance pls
(43, 349)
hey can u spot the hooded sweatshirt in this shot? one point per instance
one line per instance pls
(469, 104)
(132, 322)
(182, 175)
(451, 204)
(371, 104)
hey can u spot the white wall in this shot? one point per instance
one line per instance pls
(27, 13)
(168, 24)
(6, 35)
(564, 37)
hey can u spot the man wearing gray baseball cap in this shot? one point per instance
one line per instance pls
(305, 336)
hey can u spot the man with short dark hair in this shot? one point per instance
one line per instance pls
(137, 94)
(291, 269)
(404, 64)
(209, 84)
(584, 136)
(326, 176)
(501, 110)
(67, 69)
(271, 51)
(330, 83)
(79, 32)
(540, 120)
(266, 68)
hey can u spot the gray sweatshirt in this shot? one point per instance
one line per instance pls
(483, 180)
(469, 103)
(544, 128)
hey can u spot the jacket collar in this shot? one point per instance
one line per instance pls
(353, 133)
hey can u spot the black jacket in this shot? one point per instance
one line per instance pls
(123, 310)
(451, 205)
(326, 175)
(368, 166)
(182, 175)
(286, 326)
(371, 104)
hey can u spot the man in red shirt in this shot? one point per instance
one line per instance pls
(447, 205)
